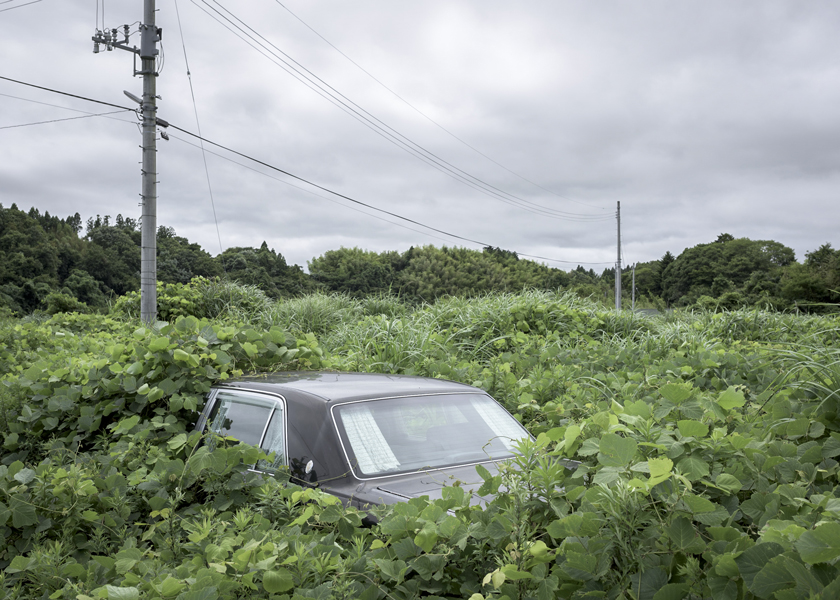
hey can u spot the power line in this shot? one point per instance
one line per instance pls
(198, 126)
(71, 109)
(319, 86)
(67, 119)
(303, 180)
(424, 115)
(51, 90)
(20, 5)
(428, 155)
(303, 189)
(359, 202)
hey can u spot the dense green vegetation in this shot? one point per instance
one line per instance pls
(707, 442)
(46, 266)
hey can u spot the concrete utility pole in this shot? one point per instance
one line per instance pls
(150, 35)
(618, 259)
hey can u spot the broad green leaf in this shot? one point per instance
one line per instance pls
(724, 534)
(693, 468)
(171, 587)
(73, 569)
(752, 560)
(122, 593)
(615, 450)
(554, 434)
(158, 344)
(660, 468)
(725, 566)
(20, 563)
(169, 386)
(684, 536)
(125, 425)
(483, 472)
(822, 544)
(426, 538)
(798, 428)
(731, 398)
(579, 566)
(772, 578)
(672, 591)
(802, 575)
(648, 582)
(155, 394)
(579, 524)
(728, 483)
(25, 476)
(277, 581)
(571, 436)
(723, 588)
(589, 447)
(23, 512)
(698, 504)
(607, 476)
(393, 570)
(513, 574)
(497, 578)
(694, 429)
(677, 393)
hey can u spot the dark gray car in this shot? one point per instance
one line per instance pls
(366, 438)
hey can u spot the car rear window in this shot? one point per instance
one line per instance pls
(398, 435)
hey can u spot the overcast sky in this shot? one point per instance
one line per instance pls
(699, 117)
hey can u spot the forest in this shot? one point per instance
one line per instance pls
(54, 264)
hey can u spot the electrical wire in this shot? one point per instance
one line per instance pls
(198, 126)
(427, 117)
(303, 189)
(493, 191)
(365, 204)
(21, 5)
(67, 119)
(46, 89)
(303, 180)
(70, 109)
(331, 94)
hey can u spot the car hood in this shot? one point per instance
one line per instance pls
(400, 488)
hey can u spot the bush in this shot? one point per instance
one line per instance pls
(58, 302)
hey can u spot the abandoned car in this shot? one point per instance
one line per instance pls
(368, 439)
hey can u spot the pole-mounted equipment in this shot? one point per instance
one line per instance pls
(150, 35)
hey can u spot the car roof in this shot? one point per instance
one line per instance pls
(334, 387)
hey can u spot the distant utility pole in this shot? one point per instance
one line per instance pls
(149, 37)
(618, 259)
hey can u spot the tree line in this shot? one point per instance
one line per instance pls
(49, 264)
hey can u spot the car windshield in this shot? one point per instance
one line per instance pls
(400, 435)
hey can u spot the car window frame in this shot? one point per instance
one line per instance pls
(362, 477)
(203, 423)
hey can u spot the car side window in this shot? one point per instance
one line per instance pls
(254, 419)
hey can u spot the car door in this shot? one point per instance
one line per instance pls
(253, 418)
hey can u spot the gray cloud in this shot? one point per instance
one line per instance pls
(699, 117)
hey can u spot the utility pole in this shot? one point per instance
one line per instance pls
(150, 35)
(634, 288)
(618, 259)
